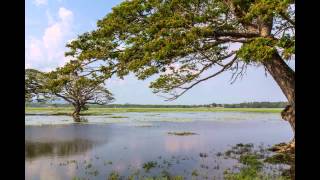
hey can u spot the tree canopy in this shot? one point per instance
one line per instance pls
(74, 89)
(186, 41)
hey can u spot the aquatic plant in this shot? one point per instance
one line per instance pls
(194, 173)
(114, 175)
(149, 165)
(203, 155)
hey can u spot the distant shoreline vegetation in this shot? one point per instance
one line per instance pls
(239, 105)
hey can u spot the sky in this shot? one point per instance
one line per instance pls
(51, 24)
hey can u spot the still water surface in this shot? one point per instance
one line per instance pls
(56, 148)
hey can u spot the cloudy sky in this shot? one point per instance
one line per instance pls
(50, 24)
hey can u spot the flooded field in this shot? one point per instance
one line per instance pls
(144, 144)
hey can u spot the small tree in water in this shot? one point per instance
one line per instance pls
(76, 90)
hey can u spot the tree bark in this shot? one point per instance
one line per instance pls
(285, 78)
(76, 113)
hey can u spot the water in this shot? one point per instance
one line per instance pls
(57, 148)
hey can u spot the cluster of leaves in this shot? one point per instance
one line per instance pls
(259, 49)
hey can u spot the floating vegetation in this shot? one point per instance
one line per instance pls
(252, 164)
(194, 173)
(114, 175)
(203, 155)
(149, 165)
(118, 117)
(182, 133)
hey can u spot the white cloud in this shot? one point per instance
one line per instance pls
(50, 18)
(47, 52)
(40, 2)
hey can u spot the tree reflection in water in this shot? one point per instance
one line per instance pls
(57, 148)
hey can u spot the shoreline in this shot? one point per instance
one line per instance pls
(106, 111)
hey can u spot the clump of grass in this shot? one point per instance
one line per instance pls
(182, 133)
(195, 173)
(149, 165)
(114, 175)
(251, 160)
(107, 162)
(203, 155)
(279, 147)
(281, 158)
(239, 149)
(177, 178)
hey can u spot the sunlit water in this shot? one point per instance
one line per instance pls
(57, 148)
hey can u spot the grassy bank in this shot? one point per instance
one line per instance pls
(106, 111)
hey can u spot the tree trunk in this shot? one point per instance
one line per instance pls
(76, 113)
(285, 78)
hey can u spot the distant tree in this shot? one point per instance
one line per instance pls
(182, 40)
(74, 89)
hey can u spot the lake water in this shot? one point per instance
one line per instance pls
(57, 148)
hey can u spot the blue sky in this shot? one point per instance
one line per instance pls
(50, 24)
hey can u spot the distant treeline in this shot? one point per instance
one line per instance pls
(257, 105)
(240, 105)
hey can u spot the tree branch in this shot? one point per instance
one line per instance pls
(204, 79)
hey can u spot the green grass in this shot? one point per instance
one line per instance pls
(107, 111)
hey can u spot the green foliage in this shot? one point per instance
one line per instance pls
(66, 85)
(249, 173)
(280, 158)
(180, 40)
(258, 50)
(252, 164)
(251, 160)
(257, 105)
(34, 86)
(266, 9)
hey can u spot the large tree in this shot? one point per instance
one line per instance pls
(186, 42)
(71, 87)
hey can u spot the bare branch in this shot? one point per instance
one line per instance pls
(204, 79)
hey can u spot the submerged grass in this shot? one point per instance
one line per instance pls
(104, 111)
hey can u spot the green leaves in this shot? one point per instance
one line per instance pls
(146, 37)
(258, 50)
